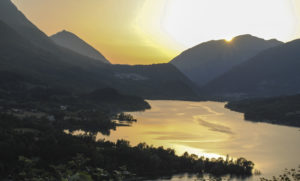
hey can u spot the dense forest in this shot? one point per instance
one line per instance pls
(284, 110)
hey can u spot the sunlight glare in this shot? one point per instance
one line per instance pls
(190, 22)
(180, 149)
(228, 40)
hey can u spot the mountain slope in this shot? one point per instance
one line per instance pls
(28, 58)
(71, 41)
(24, 64)
(272, 72)
(208, 60)
(10, 15)
(158, 81)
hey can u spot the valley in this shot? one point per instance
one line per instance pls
(224, 109)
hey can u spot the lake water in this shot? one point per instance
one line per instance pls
(208, 129)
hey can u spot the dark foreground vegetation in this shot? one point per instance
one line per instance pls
(35, 145)
(287, 175)
(279, 110)
(33, 149)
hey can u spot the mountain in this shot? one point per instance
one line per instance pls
(25, 64)
(270, 73)
(71, 41)
(10, 15)
(208, 60)
(157, 81)
(30, 59)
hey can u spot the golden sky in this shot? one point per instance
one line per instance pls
(155, 31)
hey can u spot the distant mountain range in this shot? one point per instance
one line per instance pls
(273, 72)
(245, 67)
(24, 65)
(29, 58)
(11, 16)
(211, 59)
(71, 41)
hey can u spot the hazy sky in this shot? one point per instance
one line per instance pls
(154, 31)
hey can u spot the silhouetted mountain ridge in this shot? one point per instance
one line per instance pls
(73, 42)
(211, 59)
(272, 72)
(10, 15)
(26, 64)
(14, 18)
(29, 58)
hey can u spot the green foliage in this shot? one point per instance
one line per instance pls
(81, 176)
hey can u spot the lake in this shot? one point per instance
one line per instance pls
(208, 129)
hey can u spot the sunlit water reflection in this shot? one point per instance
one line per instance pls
(208, 129)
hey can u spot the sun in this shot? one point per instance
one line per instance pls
(228, 40)
(191, 22)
